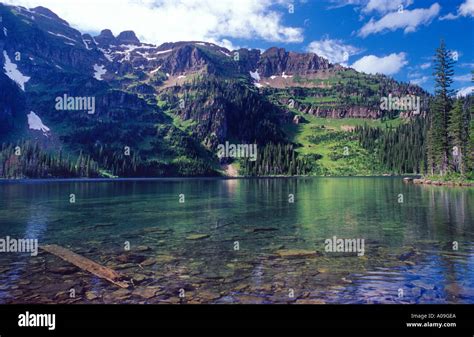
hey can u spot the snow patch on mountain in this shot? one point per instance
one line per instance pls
(255, 75)
(35, 123)
(466, 91)
(5, 31)
(86, 43)
(107, 54)
(99, 71)
(163, 51)
(63, 36)
(11, 70)
(155, 70)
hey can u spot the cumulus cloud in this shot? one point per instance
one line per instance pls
(419, 81)
(408, 20)
(385, 6)
(463, 78)
(387, 65)
(159, 21)
(335, 51)
(465, 91)
(425, 65)
(466, 9)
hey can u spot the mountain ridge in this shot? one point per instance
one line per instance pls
(193, 94)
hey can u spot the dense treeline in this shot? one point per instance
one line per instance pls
(28, 160)
(169, 153)
(399, 150)
(277, 159)
(131, 163)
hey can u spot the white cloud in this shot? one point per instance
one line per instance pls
(385, 6)
(225, 43)
(387, 65)
(465, 91)
(449, 16)
(343, 3)
(425, 65)
(466, 9)
(408, 20)
(159, 21)
(333, 50)
(420, 80)
(463, 78)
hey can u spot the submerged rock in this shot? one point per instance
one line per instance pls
(148, 262)
(63, 270)
(310, 301)
(164, 258)
(456, 290)
(294, 253)
(90, 295)
(407, 255)
(264, 229)
(156, 230)
(146, 292)
(120, 294)
(197, 236)
(138, 278)
(142, 248)
(130, 258)
(207, 296)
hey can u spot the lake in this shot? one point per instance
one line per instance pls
(240, 240)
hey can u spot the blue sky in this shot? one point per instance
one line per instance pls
(341, 22)
(394, 37)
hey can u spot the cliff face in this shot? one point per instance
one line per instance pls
(276, 61)
(333, 110)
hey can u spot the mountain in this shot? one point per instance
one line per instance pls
(163, 110)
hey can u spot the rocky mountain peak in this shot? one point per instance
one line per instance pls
(275, 61)
(128, 37)
(185, 58)
(48, 13)
(106, 38)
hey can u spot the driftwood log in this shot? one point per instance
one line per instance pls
(86, 264)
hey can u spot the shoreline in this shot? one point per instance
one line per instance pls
(449, 183)
(52, 180)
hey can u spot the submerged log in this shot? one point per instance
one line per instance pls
(86, 264)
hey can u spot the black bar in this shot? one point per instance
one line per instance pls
(240, 320)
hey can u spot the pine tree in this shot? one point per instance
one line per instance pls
(459, 137)
(438, 140)
(470, 142)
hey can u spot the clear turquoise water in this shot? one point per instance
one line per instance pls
(257, 214)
